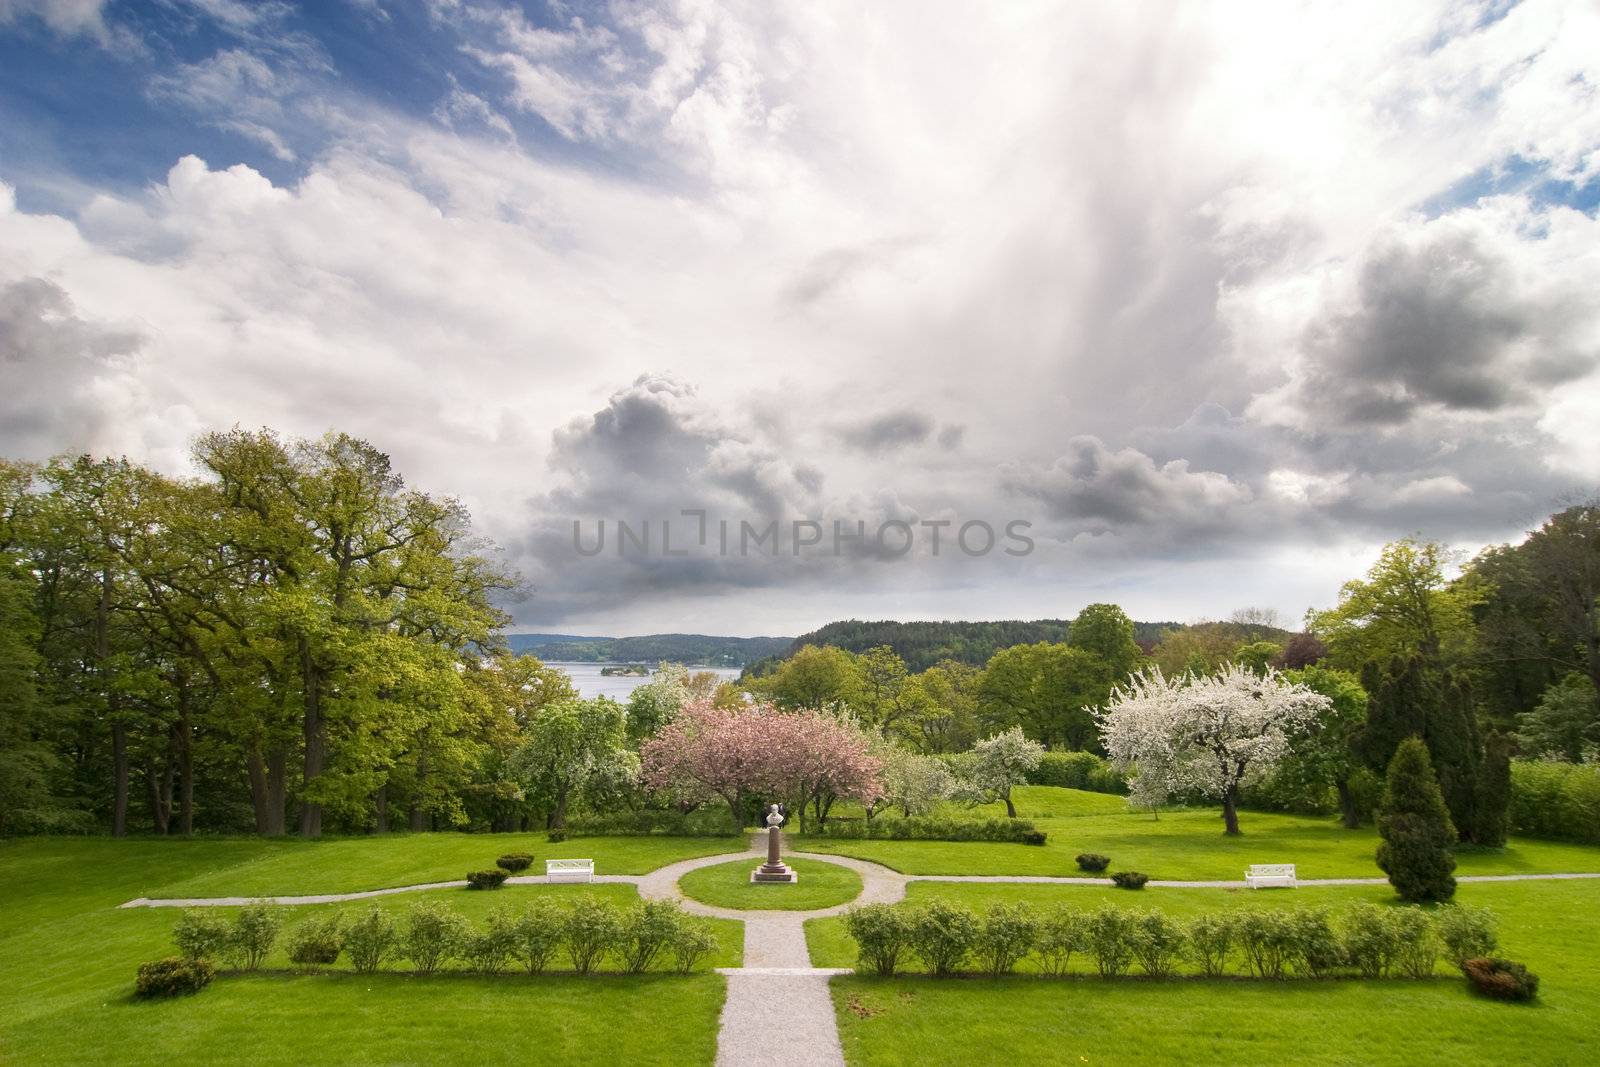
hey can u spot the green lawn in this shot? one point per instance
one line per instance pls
(1179, 845)
(68, 956)
(1551, 926)
(728, 885)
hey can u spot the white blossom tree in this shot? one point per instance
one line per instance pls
(1210, 733)
(914, 782)
(997, 763)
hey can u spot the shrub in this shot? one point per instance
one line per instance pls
(1157, 942)
(1035, 837)
(592, 929)
(704, 822)
(370, 939)
(1130, 879)
(555, 837)
(435, 933)
(514, 862)
(318, 940)
(1110, 935)
(539, 931)
(1559, 800)
(692, 942)
(1063, 931)
(202, 934)
(1501, 979)
(1370, 940)
(1077, 770)
(173, 976)
(1267, 939)
(487, 879)
(1466, 932)
(942, 935)
(881, 933)
(647, 930)
(255, 929)
(1418, 837)
(1416, 950)
(488, 948)
(935, 828)
(1093, 862)
(1008, 933)
(1316, 949)
(1211, 939)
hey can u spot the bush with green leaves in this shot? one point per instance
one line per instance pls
(882, 934)
(1130, 879)
(173, 976)
(1465, 931)
(1062, 932)
(540, 931)
(371, 938)
(1078, 770)
(487, 879)
(514, 862)
(1416, 949)
(1007, 934)
(202, 934)
(1501, 979)
(943, 935)
(1093, 862)
(434, 934)
(1417, 846)
(317, 940)
(1317, 950)
(1211, 941)
(255, 931)
(692, 942)
(935, 828)
(1111, 935)
(490, 947)
(648, 928)
(1370, 939)
(1267, 940)
(556, 837)
(1158, 943)
(592, 928)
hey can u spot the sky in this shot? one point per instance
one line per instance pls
(1184, 307)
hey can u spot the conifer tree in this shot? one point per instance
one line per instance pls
(1494, 791)
(1417, 846)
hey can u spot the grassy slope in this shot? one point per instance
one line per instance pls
(67, 959)
(728, 885)
(1179, 845)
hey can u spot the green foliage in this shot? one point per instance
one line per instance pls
(486, 879)
(1317, 949)
(1007, 933)
(933, 828)
(490, 947)
(1130, 879)
(592, 928)
(1555, 800)
(514, 862)
(943, 935)
(1416, 948)
(1062, 932)
(1046, 690)
(1078, 770)
(923, 644)
(1371, 940)
(317, 940)
(1404, 608)
(998, 764)
(1158, 943)
(570, 749)
(1093, 862)
(1565, 725)
(1416, 850)
(882, 933)
(434, 934)
(648, 929)
(202, 934)
(1493, 802)
(538, 932)
(173, 976)
(1106, 632)
(692, 942)
(255, 930)
(1111, 934)
(1501, 979)
(556, 837)
(702, 822)
(1267, 939)
(1466, 932)
(1211, 939)
(371, 938)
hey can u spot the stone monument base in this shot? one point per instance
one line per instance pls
(774, 872)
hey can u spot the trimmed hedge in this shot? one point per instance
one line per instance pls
(1078, 770)
(1093, 862)
(172, 977)
(1362, 941)
(488, 879)
(1555, 800)
(1130, 879)
(934, 828)
(514, 862)
(710, 822)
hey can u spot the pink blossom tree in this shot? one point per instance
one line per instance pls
(735, 753)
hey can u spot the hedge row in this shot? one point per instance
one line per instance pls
(705, 822)
(1363, 940)
(1078, 770)
(432, 935)
(933, 828)
(1555, 800)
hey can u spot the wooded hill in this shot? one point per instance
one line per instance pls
(699, 650)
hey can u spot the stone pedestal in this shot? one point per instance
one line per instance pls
(774, 870)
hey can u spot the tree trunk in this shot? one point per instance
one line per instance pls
(119, 772)
(185, 772)
(1349, 817)
(161, 795)
(267, 789)
(417, 812)
(1230, 811)
(119, 729)
(1011, 809)
(380, 806)
(558, 818)
(315, 742)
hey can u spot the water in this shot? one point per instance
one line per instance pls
(591, 683)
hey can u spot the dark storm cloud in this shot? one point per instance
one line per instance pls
(889, 431)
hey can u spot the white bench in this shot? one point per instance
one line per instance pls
(1270, 875)
(569, 870)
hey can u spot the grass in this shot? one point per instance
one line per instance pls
(728, 885)
(67, 959)
(1180, 845)
(1548, 925)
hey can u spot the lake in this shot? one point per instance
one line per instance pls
(591, 683)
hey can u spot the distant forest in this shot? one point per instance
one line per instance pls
(699, 650)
